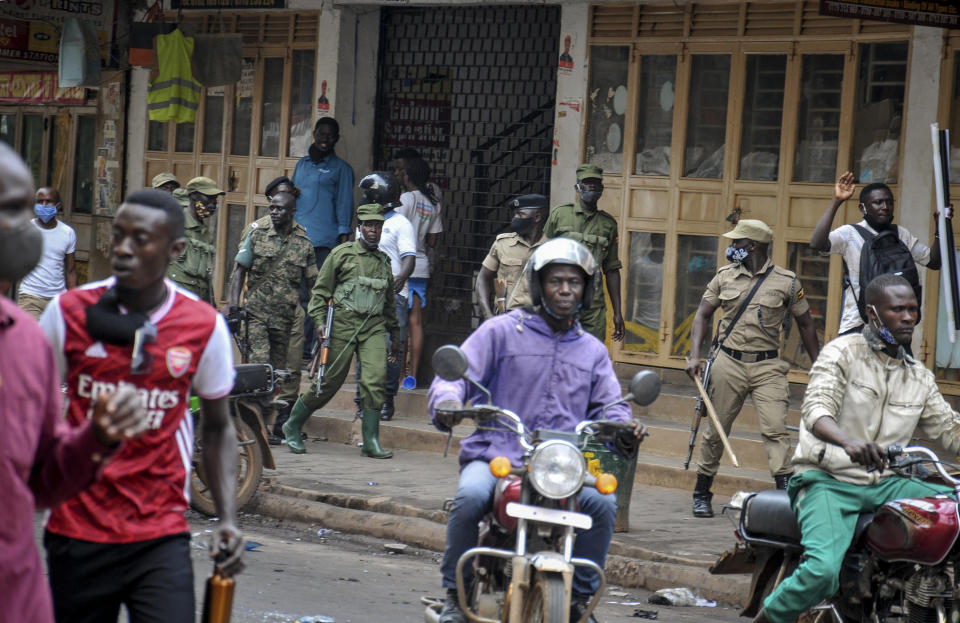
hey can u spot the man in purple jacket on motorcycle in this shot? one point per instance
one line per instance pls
(539, 363)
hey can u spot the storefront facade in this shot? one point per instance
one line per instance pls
(699, 113)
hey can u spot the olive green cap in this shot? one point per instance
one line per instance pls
(163, 178)
(204, 186)
(588, 172)
(370, 212)
(751, 229)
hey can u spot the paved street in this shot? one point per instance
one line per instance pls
(295, 572)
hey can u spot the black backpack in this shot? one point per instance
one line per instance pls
(883, 253)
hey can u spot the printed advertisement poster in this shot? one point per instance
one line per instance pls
(30, 29)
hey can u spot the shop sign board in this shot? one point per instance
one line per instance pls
(37, 87)
(30, 29)
(938, 13)
(227, 4)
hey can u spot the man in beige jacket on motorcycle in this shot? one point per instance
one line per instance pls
(863, 387)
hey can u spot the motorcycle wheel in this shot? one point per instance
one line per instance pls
(547, 601)
(249, 470)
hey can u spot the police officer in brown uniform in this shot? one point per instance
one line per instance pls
(747, 359)
(509, 254)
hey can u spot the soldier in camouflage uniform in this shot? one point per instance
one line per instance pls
(596, 230)
(291, 389)
(276, 258)
(193, 270)
(359, 279)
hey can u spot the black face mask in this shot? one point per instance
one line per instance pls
(589, 198)
(522, 224)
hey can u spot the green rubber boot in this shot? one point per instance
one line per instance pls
(299, 414)
(371, 431)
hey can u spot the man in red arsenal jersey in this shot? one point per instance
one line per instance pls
(124, 540)
(43, 460)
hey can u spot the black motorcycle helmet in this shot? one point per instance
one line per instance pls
(383, 188)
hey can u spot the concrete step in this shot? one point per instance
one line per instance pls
(657, 464)
(669, 437)
(675, 404)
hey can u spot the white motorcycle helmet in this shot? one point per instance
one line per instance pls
(562, 251)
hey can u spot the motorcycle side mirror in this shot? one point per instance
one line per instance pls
(644, 387)
(449, 362)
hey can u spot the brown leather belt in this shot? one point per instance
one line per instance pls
(750, 357)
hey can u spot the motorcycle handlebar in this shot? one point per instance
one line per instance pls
(485, 413)
(895, 451)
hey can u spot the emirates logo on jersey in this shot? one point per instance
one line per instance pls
(178, 361)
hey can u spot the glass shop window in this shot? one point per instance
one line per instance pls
(707, 118)
(658, 76)
(607, 106)
(881, 85)
(762, 117)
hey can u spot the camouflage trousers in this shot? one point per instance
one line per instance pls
(269, 340)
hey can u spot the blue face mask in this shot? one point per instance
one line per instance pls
(735, 255)
(882, 332)
(44, 212)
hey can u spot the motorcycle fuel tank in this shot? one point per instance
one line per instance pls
(508, 490)
(920, 530)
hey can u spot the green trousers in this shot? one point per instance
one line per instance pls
(371, 349)
(594, 320)
(827, 511)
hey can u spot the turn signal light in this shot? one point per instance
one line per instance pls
(500, 467)
(606, 483)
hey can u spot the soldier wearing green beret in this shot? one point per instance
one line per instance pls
(193, 270)
(596, 230)
(359, 279)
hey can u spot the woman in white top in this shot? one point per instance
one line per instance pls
(422, 208)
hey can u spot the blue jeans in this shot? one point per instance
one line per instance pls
(393, 369)
(475, 497)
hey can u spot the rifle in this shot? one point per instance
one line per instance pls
(243, 344)
(698, 412)
(324, 352)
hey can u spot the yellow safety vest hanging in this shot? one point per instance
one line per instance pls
(174, 95)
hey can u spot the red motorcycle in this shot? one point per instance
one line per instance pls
(901, 566)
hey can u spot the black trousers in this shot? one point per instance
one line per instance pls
(89, 581)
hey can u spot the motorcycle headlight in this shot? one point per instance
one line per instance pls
(557, 469)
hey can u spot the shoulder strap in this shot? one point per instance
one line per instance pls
(743, 306)
(864, 233)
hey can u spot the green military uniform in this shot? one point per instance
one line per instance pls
(193, 270)
(276, 266)
(360, 282)
(291, 389)
(748, 362)
(507, 257)
(598, 232)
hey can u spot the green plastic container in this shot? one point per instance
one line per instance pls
(602, 460)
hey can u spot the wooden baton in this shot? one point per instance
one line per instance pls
(715, 420)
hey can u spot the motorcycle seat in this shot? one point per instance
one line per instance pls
(252, 379)
(767, 514)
